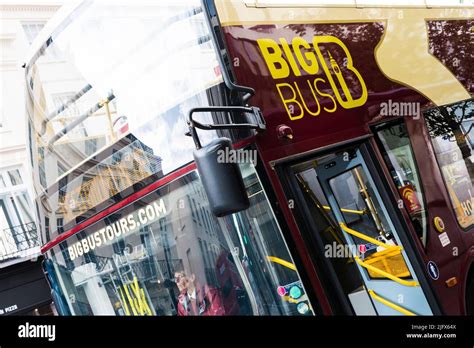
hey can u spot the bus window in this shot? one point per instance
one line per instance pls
(450, 128)
(153, 257)
(398, 156)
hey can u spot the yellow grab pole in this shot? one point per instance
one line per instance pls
(386, 274)
(390, 304)
(344, 210)
(281, 262)
(366, 237)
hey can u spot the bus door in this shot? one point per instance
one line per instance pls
(343, 189)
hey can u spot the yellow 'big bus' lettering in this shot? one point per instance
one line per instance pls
(273, 57)
(282, 59)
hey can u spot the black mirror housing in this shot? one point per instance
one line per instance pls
(222, 180)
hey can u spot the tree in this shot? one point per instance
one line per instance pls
(446, 122)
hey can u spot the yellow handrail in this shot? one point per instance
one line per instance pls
(351, 211)
(390, 304)
(289, 299)
(393, 250)
(386, 274)
(292, 300)
(281, 262)
(367, 238)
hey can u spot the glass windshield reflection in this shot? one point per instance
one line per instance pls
(168, 255)
(95, 88)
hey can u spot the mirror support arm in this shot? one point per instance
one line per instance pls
(259, 124)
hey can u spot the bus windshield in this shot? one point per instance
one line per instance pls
(151, 63)
(166, 254)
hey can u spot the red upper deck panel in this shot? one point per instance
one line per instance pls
(322, 80)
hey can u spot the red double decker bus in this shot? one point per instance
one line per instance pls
(248, 157)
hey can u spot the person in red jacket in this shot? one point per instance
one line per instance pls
(197, 299)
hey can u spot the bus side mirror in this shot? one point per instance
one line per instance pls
(222, 180)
